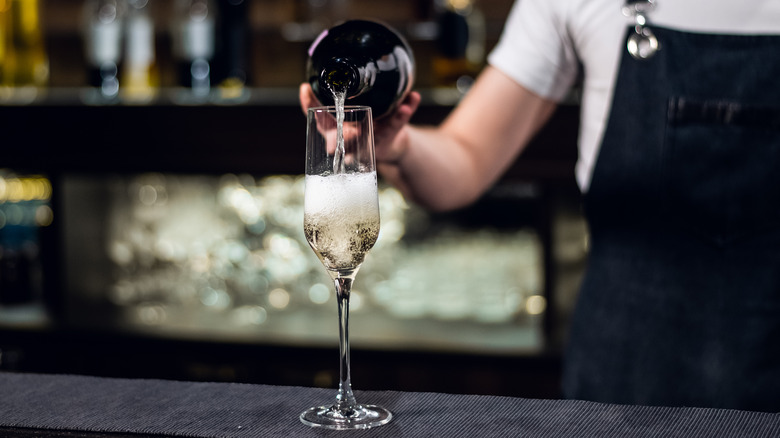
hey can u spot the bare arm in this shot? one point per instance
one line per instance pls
(451, 165)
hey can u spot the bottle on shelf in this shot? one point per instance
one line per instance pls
(231, 65)
(368, 60)
(460, 43)
(311, 17)
(102, 29)
(25, 62)
(5, 6)
(139, 74)
(193, 38)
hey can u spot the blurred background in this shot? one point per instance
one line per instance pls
(151, 206)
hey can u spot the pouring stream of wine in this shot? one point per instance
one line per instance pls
(338, 160)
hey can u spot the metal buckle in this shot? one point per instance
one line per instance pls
(642, 44)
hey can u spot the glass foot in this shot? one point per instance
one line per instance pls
(358, 417)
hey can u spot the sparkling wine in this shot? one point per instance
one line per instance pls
(341, 218)
(338, 158)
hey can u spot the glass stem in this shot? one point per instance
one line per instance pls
(345, 399)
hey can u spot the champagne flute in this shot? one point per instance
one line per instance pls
(341, 224)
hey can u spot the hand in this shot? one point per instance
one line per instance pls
(389, 147)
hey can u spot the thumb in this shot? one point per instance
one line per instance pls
(306, 97)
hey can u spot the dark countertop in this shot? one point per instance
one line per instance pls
(80, 406)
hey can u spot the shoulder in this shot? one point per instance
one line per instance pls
(545, 42)
(586, 19)
(579, 18)
(718, 16)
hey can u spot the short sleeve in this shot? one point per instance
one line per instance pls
(535, 49)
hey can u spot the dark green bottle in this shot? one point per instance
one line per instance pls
(370, 61)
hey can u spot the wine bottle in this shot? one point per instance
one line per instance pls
(231, 64)
(25, 61)
(460, 43)
(370, 62)
(140, 77)
(102, 29)
(4, 17)
(193, 33)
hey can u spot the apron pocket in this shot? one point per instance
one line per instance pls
(722, 160)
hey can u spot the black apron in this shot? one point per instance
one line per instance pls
(680, 304)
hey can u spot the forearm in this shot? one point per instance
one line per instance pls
(434, 171)
(451, 165)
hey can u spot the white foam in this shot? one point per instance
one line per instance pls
(350, 193)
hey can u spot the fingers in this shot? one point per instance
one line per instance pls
(306, 97)
(404, 112)
(411, 103)
(386, 129)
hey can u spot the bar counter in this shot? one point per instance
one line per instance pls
(38, 405)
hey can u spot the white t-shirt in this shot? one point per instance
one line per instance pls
(545, 42)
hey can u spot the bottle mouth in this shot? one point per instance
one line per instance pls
(340, 76)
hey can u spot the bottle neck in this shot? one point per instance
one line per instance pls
(341, 75)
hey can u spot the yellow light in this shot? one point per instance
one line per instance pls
(535, 305)
(42, 188)
(250, 315)
(14, 190)
(44, 216)
(25, 189)
(461, 6)
(279, 298)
